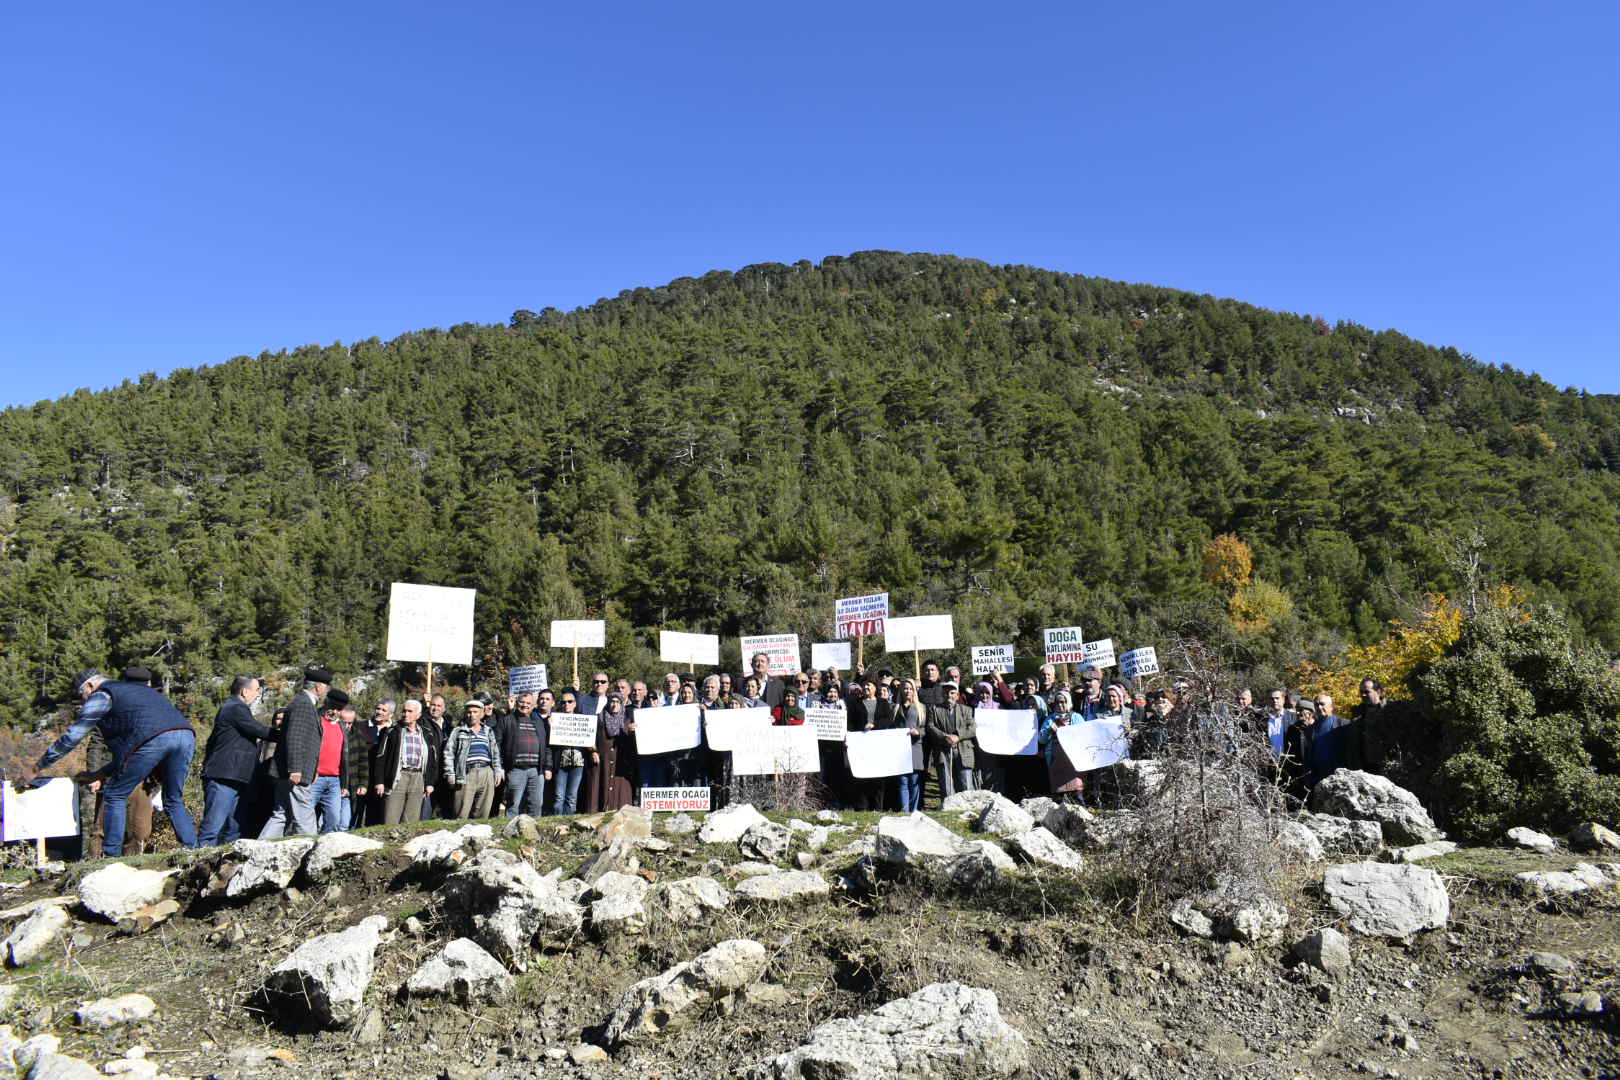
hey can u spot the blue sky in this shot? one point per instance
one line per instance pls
(186, 183)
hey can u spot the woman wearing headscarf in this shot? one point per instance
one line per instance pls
(992, 768)
(612, 784)
(688, 765)
(1067, 783)
(788, 713)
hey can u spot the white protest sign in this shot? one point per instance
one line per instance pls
(778, 750)
(1005, 731)
(430, 623)
(44, 811)
(781, 653)
(1092, 744)
(679, 648)
(675, 798)
(829, 654)
(1064, 645)
(831, 722)
(875, 754)
(860, 616)
(1139, 662)
(726, 729)
(527, 679)
(1099, 654)
(667, 729)
(919, 632)
(578, 633)
(988, 658)
(574, 729)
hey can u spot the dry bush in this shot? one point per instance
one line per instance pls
(783, 791)
(1209, 822)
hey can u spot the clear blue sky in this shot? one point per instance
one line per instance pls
(188, 182)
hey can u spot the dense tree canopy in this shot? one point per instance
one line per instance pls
(730, 453)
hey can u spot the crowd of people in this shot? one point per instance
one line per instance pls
(314, 766)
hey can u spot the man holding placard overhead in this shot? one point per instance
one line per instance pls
(144, 734)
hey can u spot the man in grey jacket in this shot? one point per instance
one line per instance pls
(297, 754)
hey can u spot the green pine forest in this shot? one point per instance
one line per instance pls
(730, 453)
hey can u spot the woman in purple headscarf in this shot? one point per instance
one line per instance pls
(616, 778)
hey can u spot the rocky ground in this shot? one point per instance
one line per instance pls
(685, 948)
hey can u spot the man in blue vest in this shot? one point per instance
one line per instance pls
(144, 734)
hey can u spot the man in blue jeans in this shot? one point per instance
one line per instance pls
(229, 762)
(144, 733)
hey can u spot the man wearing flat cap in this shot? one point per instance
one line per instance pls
(144, 734)
(298, 754)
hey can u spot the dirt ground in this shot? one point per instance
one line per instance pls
(1100, 991)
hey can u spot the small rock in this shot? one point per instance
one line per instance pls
(1325, 949)
(618, 857)
(750, 869)
(767, 841)
(1343, 836)
(586, 1054)
(1388, 899)
(993, 853)
(261, 866)
(1551, 964)
(370, 1028)
(1531, 840)
(831, 817)
(50, 1065)
(414, 926)
(913, 838)
(1590, 836)
(34, 934)
(1580, 1003)
(141, 921)
(654, 844)
(728, 825)
(1187, 918)
(968, 802)
(1042, 848)
(805, 860)
(113, 1012)
(1577, 879)
(684, 992)
(630, 823)
(1299, 842)
(680, 824)
(687, 901)
(1002, 817)
(1418, 852)
(522, 827)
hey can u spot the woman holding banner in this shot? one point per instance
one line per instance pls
(1067, 783)
(908, 713)
(568, 764)
(616, 749)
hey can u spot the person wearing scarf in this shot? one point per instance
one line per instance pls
(613, 784)
(788, 714)
(1067, 783)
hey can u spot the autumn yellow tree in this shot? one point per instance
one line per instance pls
(1228, 561)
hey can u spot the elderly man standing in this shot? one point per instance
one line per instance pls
(472, 764)
(298, 753)
(524, 738)
(406, 766)
(228, 764)
(951, 732)
(144, 734)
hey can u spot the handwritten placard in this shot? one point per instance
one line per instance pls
(1064, 645)
(430, 623)
(989, 658)
(781, 653)
(574, 729)
(831, 722)
(829, 654)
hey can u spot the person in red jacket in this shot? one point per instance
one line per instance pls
(788, 713)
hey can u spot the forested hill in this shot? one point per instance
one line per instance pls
(730, 453)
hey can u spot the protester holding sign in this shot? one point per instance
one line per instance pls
(718, 762)
(910, 714)
(1065, 780)
(866, 713)
(568, 763)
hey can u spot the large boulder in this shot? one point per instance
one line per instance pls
(324, 980)
(688, 901)
(1003, 817)
(1387, 899)
(1592, 837)
(31, 937)
(504, 904)
(1041, 848)
(728, 825)
(462, 972)
(254, 867)
(1343, 836)
(786, 887)
(333, 846)
(118, 889)
(944, 1030)
(618, 904)
(1531, 840)
(446, 848)
(911, 839)
(684, 992)
(630, 823)
(1369, 797)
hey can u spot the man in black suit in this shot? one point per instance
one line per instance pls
(770, 686)
(228, 764)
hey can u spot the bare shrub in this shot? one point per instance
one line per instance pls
(783, 791)
(1209, 802)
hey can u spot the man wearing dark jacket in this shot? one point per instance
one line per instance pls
(228, 763)
(144, 734)
(297, 754)
(406, 767)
